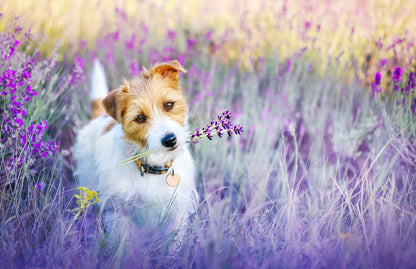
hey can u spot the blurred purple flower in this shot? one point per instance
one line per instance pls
(130, 43)
(171, 36)
(109, 57)
(208, 36)
(383, 62)
(134, 68)
(114, 36)
(141, 43)
(191, 44)
(397, 74)
(377, 81)
(77, 70)
(288, 66)
(377, 78)
(412, 80)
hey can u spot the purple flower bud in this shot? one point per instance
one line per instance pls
(238, 129)
(220, 132)
(412, 80)
(230, 130)
(222, 125)
(378, 78)
(397, 74)
(226, 114)
(210, 136)
(198, 132)
(191, 43)
(19, 122)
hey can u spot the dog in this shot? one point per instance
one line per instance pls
(146, 113)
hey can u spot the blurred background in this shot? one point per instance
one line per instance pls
(363, 30)
(323, 175)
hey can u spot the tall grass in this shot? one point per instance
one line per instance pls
(322, 177)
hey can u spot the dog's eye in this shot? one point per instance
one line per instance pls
(140, 119)
(168, 105)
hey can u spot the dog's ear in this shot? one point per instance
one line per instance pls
(166, 70)
(113, 103)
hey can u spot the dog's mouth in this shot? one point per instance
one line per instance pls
(173, 148)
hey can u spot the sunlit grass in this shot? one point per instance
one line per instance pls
(348, 29)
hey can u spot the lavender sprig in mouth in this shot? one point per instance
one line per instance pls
(221, 126)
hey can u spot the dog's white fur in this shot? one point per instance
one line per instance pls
(98, 152)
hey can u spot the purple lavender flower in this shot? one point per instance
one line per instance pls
(288, 66)
(197, 132)
(208, 36)
(377, 78)
(238, 129)
(226, 114)
(77, 70)
(412, 80)
(134, 68)
(219, 131)
(223, 124)
(397, 74)
(16, 89)
(171, 36)
(191, 44)
(383, 62)
(230, 130)
(130, 43)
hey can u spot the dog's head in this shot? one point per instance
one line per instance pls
(151, 108)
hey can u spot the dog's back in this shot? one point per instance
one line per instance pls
(85, 146)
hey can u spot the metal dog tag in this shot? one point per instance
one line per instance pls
(173, 179)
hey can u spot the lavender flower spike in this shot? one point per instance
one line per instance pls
(378, 78)
(223, 124)
(397, 74)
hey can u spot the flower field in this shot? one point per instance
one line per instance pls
(321, 175)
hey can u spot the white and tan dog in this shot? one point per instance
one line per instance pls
(148, 113)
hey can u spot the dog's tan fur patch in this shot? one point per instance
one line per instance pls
(97, 109)
(109, 127)
(147, 96)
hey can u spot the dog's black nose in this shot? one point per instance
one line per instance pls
(169, 140)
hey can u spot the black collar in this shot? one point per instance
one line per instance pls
(152, 169)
